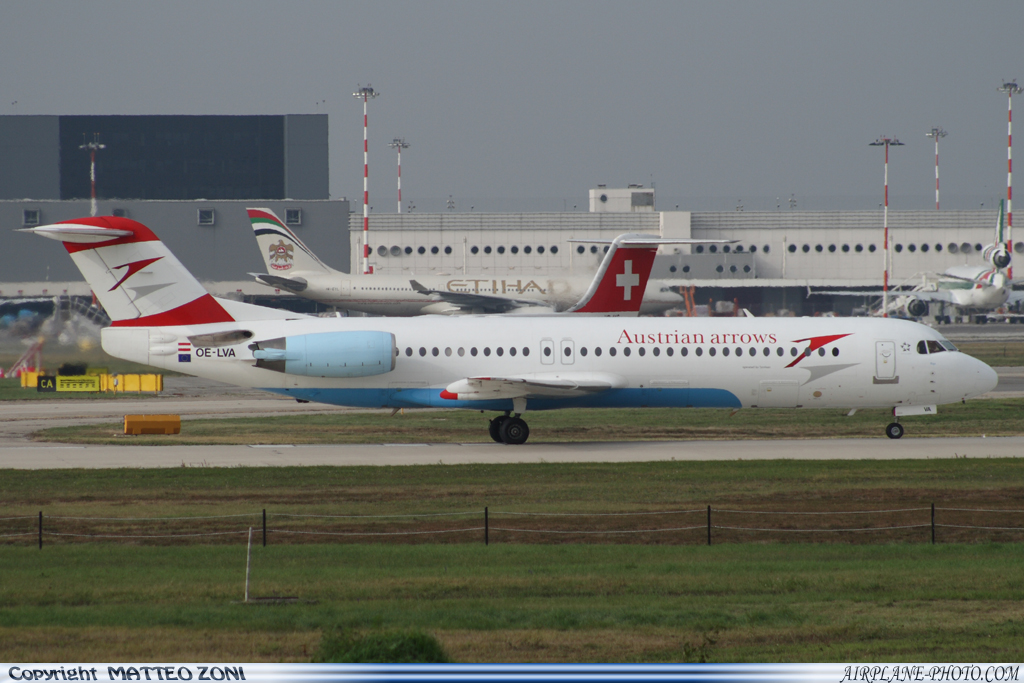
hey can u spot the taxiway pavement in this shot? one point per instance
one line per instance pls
(198, 399)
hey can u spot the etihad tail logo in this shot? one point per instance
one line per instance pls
(281, 255)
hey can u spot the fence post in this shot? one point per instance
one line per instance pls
(487, 529)
(248, 558)
(264, 527)
(933, 523)
(40, 529)
(709, 525)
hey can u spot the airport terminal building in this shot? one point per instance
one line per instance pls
(190, 179)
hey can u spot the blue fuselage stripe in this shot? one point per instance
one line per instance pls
(431, 398)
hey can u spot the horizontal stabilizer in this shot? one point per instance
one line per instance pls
(78, 234)
(295, 284)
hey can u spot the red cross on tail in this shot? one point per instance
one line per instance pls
(621, 280)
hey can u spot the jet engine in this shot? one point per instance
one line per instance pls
(328, 354)
(998, 255)
(917, 308)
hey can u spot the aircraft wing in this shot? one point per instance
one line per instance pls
(940, 295)
(468, 300)
(561, 385)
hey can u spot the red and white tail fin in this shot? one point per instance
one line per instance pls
(136, 278)
(621, 280)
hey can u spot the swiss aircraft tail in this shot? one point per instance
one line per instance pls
(620, 282)
(135, 277)
(283, 252)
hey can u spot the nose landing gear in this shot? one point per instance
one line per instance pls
(509, 429)
(894, 430)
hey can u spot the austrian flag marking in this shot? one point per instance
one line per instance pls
(184, 352)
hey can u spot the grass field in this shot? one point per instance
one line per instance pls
(572, 603)
(572, 598)
(996, 353)
(995, 417)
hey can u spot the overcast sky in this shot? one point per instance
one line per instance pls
(526, 105)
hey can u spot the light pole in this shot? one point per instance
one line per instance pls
(887, 142)
(1010, 88)
(366, 93)
(92, 147)
(935, 134)
(399, 144)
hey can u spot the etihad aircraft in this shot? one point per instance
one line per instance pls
(293, 267)
(976, 288)
(163, 317)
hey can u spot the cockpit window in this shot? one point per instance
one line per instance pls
(934, 346)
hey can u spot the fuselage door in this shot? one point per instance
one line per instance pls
(781, 393)
(547, 351)
(568, 352)
(346, 288)
(885, 360)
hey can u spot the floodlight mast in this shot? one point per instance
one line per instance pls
(399, 144)
(935, 134)
(92, 147)
(1010, 88)
(886, 258)
(366, 93)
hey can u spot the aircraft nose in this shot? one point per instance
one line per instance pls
(982, 379)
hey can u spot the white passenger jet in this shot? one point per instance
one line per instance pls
(163, 317)
(293, 267)
(976, 288)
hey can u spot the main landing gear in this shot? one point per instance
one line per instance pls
(509, 429)
(894, 430)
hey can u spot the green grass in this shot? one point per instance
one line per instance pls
(756, 485)
(994, 417)
(533, 603)
(537, 486)
(570, 598)
(996, 353)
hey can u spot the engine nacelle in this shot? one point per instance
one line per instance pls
(998, 255)
(917, 308)
(328, 354)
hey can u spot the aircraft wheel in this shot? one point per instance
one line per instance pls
(514, 431)
(494, 428)
(894, 430)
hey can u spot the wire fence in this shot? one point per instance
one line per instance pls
(707, 525)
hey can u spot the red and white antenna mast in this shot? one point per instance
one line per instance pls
(935, 134)
(366, 94)
(92, 147)
(1010, 88)
(885, 222)
(399, 144)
